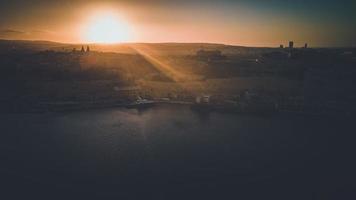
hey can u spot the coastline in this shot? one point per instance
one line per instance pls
(59, 107)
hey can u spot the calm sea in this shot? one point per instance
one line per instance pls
(172, 152)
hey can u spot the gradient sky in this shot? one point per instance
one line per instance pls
(238, 22)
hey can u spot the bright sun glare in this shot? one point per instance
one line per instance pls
(106, 28)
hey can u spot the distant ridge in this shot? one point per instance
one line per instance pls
(123, 43)
(165, 48)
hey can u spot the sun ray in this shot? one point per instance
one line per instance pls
(178, 77)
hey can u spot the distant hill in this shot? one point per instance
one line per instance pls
(154, 48)
(27, 45)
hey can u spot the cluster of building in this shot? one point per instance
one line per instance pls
(83, 50)
(291, 45)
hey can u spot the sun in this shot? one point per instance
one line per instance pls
(106, 28)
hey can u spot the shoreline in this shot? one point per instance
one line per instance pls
(77, 107)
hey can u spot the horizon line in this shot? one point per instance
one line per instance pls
(168, 42)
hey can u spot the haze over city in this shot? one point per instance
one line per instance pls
(248, 23)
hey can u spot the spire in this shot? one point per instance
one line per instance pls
(82, 49)
(88, 49)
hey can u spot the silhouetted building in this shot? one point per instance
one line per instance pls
(291, 44)
(306, 45)
(281, 46)
(88, 49)
(82, 49)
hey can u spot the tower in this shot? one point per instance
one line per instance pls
(88, 49)
(291, 44)
(82, 49)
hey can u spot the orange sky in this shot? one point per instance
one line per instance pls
(227, 23)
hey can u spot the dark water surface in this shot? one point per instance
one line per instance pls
(171, 152)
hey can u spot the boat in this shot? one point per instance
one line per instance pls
(141, 103)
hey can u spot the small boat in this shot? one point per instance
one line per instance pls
(141, 103)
